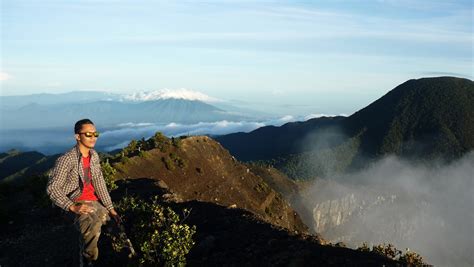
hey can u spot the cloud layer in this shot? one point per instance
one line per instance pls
(119, 136)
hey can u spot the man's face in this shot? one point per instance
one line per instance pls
(82, 139)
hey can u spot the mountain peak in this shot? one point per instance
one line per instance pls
(182, 93)
(428, 115)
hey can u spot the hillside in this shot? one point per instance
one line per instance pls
(430, 117)
(200, 169)
(15, 165)
(420, 119)
(239, 218)
(271, 141)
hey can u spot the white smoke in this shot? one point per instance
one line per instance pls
(427, 208)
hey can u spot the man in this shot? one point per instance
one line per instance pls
(77, 185)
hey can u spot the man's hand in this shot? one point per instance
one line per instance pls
(115, 216)
(81, 209)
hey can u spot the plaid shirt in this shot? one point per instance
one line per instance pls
(67, 176)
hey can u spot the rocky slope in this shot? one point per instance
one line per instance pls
(202, 170)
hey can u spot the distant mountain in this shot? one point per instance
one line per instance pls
(425, 119)
(18, 101)
(112, 113)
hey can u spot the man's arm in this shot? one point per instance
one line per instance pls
(101, 187)
(58, 178)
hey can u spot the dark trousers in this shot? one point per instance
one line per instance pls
(89, 226)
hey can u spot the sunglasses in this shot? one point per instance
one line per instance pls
(90, 134)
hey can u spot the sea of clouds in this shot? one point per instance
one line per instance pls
(57, 140)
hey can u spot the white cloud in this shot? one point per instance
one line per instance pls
(169, 94)
(4, 76)
(54, 84)
(278, 92)
(132, 125)
(121, 137)
(341, 24)
(118, 138)
(287, 118)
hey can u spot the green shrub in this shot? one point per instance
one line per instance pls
(109, 172)
(176, 142)
(143, 154)
(124, 160)
(178, 160)
(168, 163)
(160, 141)
(158, 233)
(181, 163)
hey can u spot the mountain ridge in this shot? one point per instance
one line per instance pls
(421, 119)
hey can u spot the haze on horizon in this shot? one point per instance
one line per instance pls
(328, 57)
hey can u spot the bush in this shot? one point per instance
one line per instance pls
(131, 148)
(181, 163)
(124, 160)
(176, 142)
(158, 232)
(168, 163)
(160, 141)
(143, 154)
(410, 258)
(109, 172)
(178, 160)
(365, 247)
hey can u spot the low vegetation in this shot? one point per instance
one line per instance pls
(108, 172)
(159, 234)
(141, 147)
(409, 258)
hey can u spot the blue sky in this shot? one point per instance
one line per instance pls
(308, 56)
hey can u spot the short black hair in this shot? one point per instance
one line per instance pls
(78, 125)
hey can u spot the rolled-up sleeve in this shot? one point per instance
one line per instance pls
(57, 181)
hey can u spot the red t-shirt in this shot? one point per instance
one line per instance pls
(88, 192)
